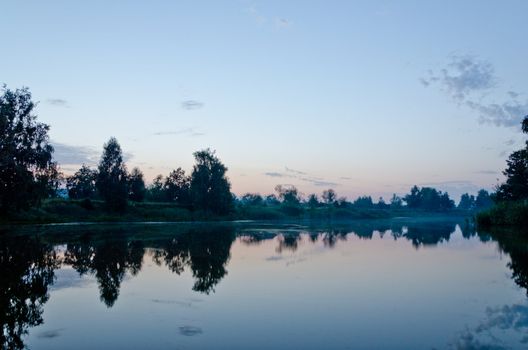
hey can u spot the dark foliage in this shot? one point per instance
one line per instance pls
(210, 189)
(136, 186)
(27, 171)
(112, 181)
(81, 185)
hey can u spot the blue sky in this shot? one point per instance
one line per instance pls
(367, 97)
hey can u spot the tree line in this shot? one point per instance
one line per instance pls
(29, 174)
(206, 189)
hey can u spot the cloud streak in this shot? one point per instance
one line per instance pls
(192, 105)
(185, 131)
(58, 102)
(301, 176)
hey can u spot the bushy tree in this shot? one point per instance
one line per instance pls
(81, 185)
(288, 194)
(177, 187)
(290, 199)
(396, 202)
(253, 199)
(329, 196)
(136, 186)
(112, 178)
(428, 198)
(210, 189)
(155, 191)
(381, 204)
(364, 202)
(27, 171)
(516, 185)
(467, 202)
(483, 200)
(313, 201)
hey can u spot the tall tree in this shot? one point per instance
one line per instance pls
(483, 200)
(27, 171)
(112, 181)
(176, 187)
(329, 196)
(210, 189)
(516, 172)
(136, 186)
(467, 202)
(82, 184)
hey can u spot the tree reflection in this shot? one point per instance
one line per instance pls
(515, 244)
(26, 271)
(109, 260)
(206, 252)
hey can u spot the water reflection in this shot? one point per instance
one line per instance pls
(205, 252)
(28, 261)
(26, 271)
(109, 260)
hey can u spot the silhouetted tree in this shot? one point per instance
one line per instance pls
(467, 202)
(210, 188)
(155, 191)
(413, 199)
(252, 199)
(177, 187)
(111, 180)
(82, 184)
(428, 198)
(381, 204)
(341, 202)
(516, 185)
(313, 201)
(291, 199)
(364, 202)
(271, 200)
(136, 186)
(329, 196)
(396, 202)
(27, 171)
(483, 200)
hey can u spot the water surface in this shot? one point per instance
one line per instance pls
(399, 284)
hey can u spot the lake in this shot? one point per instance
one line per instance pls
(393, 284)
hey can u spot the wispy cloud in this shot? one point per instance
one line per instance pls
(274, 174)
(302, 176)
(281, 23)
(470, 82)
(58, 102)
(289, 170)
(486, 172)
(463, 76)
(192, 104)
(276, 22)
(185, 131)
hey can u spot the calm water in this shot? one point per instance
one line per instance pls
(360, 285)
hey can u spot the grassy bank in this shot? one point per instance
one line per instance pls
(63, 211)
(513, 214)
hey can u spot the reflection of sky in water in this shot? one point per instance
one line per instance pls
(310, 291)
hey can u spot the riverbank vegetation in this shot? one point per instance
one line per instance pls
(511, 197)
(34, 190)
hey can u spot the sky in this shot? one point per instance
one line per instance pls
(366, 97)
